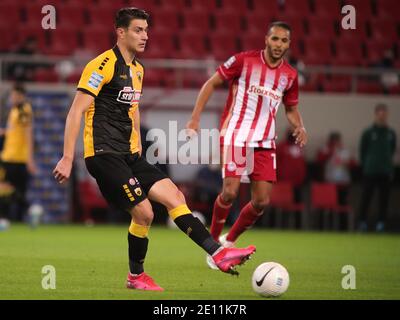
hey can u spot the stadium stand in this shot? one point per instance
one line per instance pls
(197, 29)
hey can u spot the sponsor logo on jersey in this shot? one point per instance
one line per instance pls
(95, 80)
(266, 92)
(128, 96)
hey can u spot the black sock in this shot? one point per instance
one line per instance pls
(197, 232)
(137, 248)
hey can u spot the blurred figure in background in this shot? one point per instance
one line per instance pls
(17, 155)
(292, 164)
(336, 163)
(23, 71)
(377, 148)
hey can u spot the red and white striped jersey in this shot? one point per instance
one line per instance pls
(255, 93)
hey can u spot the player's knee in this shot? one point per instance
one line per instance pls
(175, 198)
(143, 214)
(260, 203)
(229, 195)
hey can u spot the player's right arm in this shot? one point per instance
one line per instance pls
(230, 70)
(96, 73)
(81, 104)
(204, 95)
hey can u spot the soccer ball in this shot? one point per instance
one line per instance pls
(270, 279)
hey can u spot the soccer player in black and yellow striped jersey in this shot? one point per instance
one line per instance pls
(17, 155)
(108, 94)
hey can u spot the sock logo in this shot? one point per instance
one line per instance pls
(189, 231)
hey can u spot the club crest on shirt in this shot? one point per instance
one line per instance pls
(139, 75)
(128, 96)
(283, 81)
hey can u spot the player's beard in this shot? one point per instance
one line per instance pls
(272, 56)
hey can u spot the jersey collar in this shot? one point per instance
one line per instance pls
(266, 63)
(120, 57)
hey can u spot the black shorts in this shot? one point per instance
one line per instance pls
(124, 180)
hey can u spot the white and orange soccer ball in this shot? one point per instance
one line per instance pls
(270, 279)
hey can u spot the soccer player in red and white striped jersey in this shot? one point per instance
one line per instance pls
(259, 81)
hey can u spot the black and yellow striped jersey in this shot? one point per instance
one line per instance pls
(117, 88)
(16, 144)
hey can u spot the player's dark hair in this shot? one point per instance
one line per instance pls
(19, 87)
(279, 24)
(124, 16)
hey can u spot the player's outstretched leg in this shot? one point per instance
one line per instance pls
(166, 193)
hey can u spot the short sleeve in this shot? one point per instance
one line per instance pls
(291, 96)
(232, 68)
(93, 78)
(26, 115)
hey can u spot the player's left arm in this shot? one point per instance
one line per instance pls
(137, 129)
(299, 131)
(291, 101)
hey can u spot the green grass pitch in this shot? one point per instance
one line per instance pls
(91, 263)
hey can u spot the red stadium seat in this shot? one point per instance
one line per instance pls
(64, 40)
(376, 50)
(327, 9)
(45, 75)
(324, 197)
(160, 45)
(228, 21)
(172, 5)
(196, 21)
(7, 40)
(235, 5)
(194, 79)
(71, 16)
(101, 16)
(384, 30)
(161, 19)
(33, 30)
(370, 87)
(33, 13)
(267, 7)
(252, 42)
(92, 199)
(257, 23)
(348, 53)
(204, 6)
(97, 39)
(318, 51)
(192, 45)
(223, 45)
(337, 83)
(295, 8)
(388, 9)
(13, 14)
(282, 199)
(321, 27)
